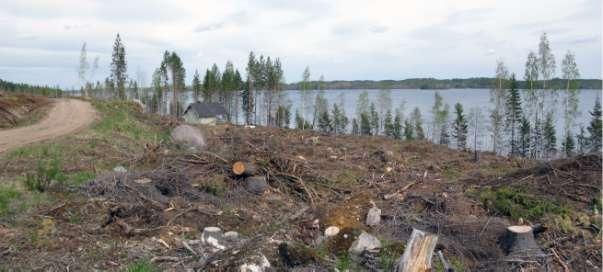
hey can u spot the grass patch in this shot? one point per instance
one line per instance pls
(142, 266)
(119, 117)
(389, 254)
(517, 204)
(456, 264)
(7, 195)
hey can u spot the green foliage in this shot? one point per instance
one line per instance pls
(118, 117)
(389, 254)
(524, 137)
(365, 124)
(7, 195)
(518, 204)
(340, 120)
(325, 123)
(32, 89)
(300, 122)
(374, 120)
(550, 138)
(388, 125)
(47, 172)
(568, 145)
(595, 128)
(142, 266)
(459, 130)
(283, 116)
(513, 115)
(456, 264)
(417, 124)
(408, 131)
(119, 67)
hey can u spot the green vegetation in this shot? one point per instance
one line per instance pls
(119, 117)
(7, 194)
(517, 204)
(48, 171)
(389, 254)
(433, 83)
(31, 89)
(142, 266)
(456, 264)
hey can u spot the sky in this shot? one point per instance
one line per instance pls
(339, 39)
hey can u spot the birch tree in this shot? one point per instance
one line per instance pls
(497, 98)
(546, 60)
(572, 92)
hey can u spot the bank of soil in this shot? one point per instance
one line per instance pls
(315, 181)
(21, 109)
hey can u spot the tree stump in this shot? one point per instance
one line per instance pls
(240, 168)
(520, 245)
(418, 252)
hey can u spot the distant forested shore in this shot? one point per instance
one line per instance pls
(432, 83)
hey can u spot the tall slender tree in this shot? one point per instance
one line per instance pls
(570, 74)
(119, 67)
(459, 127)
(549, 136)
(524, 137)
(247, 94)
(417, 121)
(497, 97)
(514, 116)
(595, 127)
(546, 60)
(196, 85)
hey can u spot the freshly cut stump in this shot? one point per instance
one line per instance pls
(520, 244)
(418, 252)
(240, 168)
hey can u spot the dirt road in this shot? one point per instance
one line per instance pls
(66, 116)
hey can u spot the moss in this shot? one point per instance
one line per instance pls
(517, 204)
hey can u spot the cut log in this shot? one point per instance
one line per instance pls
(520, 245)
(418, 252)
(240, 168)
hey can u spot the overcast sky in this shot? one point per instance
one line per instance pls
(345, 39)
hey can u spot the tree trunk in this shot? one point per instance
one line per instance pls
(418, 252)
(240, 168)
(520, 245)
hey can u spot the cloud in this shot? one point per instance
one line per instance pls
(342, 39)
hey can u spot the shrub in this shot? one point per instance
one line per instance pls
(46, 173)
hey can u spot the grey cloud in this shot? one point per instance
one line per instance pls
(209, 27)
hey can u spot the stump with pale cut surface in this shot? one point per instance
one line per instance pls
(418, 252)
(240, 168)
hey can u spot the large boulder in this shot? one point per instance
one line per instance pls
(189, 136)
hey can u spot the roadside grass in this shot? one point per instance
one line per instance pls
(39, 174)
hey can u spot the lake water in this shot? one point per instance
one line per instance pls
(424, 99)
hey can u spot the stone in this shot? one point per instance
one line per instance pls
(373, 217)
(189, 136)
(213, 237)
(256, 184)
(120, 169)
(365, 242)
(331, 231)
(231, 235)
(258, 263)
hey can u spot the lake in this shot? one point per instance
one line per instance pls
(424, 99)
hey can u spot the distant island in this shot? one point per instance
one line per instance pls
(432, 83)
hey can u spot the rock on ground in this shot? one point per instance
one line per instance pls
(365, 242)
(373, 218)
(331, 231)
(256, 263)
(189, 136)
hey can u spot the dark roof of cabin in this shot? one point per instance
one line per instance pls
(205, 109)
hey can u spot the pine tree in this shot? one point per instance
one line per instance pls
(340, 121)
(300, 122)
(374, 120)
(418, 124)
(568, 145)
(549, 136)
(536, 148)
(388, 124)
(408, 130)
(196, 85)
(365, 124)
(524, 137)
(459, 129)
(514, 115)
(595, 127)
(398, 127)
(325, 124)
(119, 67)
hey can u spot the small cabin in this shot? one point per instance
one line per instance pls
(204, 113)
